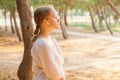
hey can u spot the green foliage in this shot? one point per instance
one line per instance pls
(7, 4)
(58, 4)
(81, 24)
(115, 2)
(80, 6)
(36, 3)
(72, 4)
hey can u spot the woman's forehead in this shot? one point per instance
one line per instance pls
(53, 12)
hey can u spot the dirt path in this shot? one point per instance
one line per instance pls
(115, 37)
(90, 56)
(87, 56)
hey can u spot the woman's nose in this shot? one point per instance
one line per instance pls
(58, 19)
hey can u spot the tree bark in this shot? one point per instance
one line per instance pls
(16, 26)
(92, 19)
(100, 17)
(113, 8)
(108, 15)
(11, 23)
(5, 16)
(104, 13)
(25, 68)
(108, 26)
(106, 22)
(65, 35)
(65, 18)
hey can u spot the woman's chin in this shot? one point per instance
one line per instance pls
(58, 27)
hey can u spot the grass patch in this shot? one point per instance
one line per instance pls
(85, 25)
(116, 27)
(88, 26)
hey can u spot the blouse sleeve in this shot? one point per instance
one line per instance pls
(50, 67)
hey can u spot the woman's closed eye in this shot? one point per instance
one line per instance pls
(56, 18)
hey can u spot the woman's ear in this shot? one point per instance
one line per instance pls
(46, 22)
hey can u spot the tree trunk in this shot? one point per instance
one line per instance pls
(25, 68)
(65, 35)
(106, 22)
(92, 19)
(109, 17)
(11, 23)
(100, 17)
(113, 8)
(65, 18)
(5, 16)
(16, 26)
(108, 26)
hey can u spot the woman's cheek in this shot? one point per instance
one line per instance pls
(55, 20)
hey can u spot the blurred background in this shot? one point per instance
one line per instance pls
(89, 38)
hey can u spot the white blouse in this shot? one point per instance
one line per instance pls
(47, 62)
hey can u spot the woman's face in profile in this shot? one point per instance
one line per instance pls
(53, 20)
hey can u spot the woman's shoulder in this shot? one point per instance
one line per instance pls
(41, 42)
(39, 46)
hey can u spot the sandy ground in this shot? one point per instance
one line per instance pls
(86, 58)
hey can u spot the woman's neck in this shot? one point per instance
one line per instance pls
(45, 34)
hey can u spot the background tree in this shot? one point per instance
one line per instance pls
(3, 8)
(11, 22)
(10, 6)
(95, 8)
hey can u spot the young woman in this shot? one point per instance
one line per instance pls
(47, 61)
